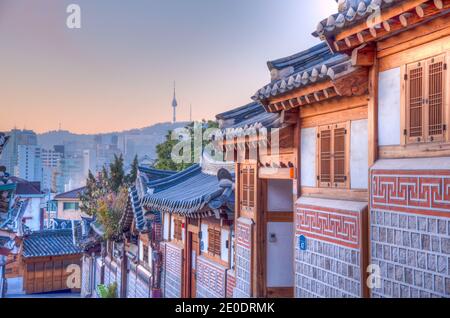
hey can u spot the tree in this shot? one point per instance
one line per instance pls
(117, 174)
(132, 176)
(164, 150)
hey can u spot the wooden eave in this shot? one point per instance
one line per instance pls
(354, 83)
(391, 22)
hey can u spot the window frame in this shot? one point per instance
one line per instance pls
(346, 152)
(405, 102)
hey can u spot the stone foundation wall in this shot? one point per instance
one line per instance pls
(211, 279)
(410, 228)
(86, 275)
(330, 262)
(113, 274)
(138, 282)
(243, 252)
(173, 268)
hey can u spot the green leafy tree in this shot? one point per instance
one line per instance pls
(109, 291)
(117, 174)
(164, 150)
(132, 176)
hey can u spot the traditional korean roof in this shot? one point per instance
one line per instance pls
(192, 192)
(351, 12)
(61, 224)
(24, 187)
(138, 213)
(154, 174)
(72, 195)
(241, 120)
(311, 66)
(375, 19)
(49, 243)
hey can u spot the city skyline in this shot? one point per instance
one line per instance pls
(116, 72)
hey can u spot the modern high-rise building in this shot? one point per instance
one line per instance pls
(29, 163)
(9, 157)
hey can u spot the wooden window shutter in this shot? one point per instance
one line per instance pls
(251, 187)
(244, 188)
(435, 98)
(339, 162)
(415, 95)
(325, 156)
(214, 242)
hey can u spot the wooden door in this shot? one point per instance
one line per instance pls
(193, 263)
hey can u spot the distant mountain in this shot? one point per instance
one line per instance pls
(135, 141)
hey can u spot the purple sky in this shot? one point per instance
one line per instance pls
(117, 71)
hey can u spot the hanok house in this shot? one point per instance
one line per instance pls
(49, 259)
(407, 51)
(327, 94)
(262, 146)
(126, 260)
(143, 232)
(195, 252)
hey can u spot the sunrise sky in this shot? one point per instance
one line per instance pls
(117, 71)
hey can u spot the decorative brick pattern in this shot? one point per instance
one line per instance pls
(410, 232)
(243, 252)
(420, 192)
(231, 283)
(331, 225)
(113, 274)
(173, 260)
(143, 283)
(211, 278)
(330, 266)
(131, 282)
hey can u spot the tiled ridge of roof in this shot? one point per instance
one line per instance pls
(72, 194)
(49, 243)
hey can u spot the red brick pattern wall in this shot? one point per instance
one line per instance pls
(420, 192)
(410, 232)
(231, 283)
(331, 225)
(330, 266)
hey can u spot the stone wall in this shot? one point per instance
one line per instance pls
(173, 268)
(332, 262)
(410, 227)
(243, 265)
(211, 279)
(113, 274)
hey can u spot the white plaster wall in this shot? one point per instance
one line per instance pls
(204, 229)
(224, 235)
(308, 157)
(172, 225)
(166, 226)
(279, 196)
(359, 155)
(32, 214)
(389, 86)
(280, 264)
(141, 251)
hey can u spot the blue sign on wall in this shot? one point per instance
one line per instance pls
(202, 246)
(302, 243)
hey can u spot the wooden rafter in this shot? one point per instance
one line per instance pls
(391, 21)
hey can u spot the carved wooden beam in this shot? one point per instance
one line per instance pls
(363, 55)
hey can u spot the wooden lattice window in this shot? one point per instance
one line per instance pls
(214, 241)
(333, 156)
(177, 230)
(145, 253)
(248, 187)
(425, 100)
